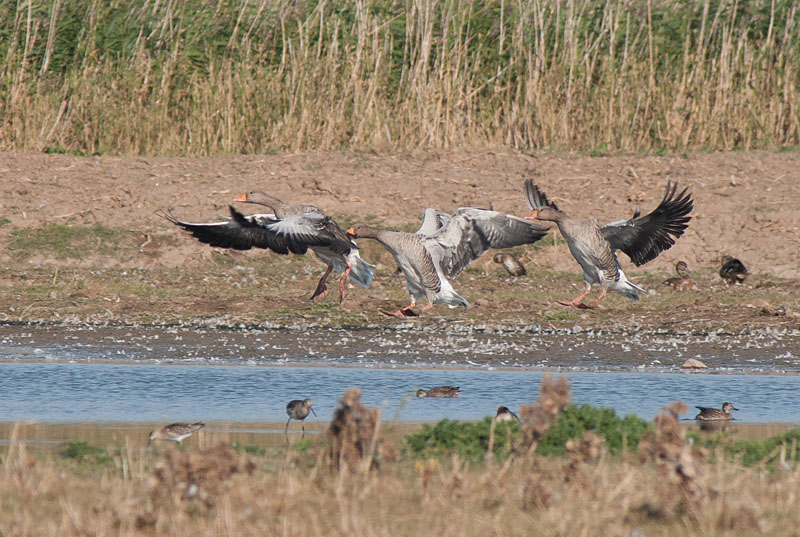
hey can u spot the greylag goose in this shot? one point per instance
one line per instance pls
(298, 410)
(505, 414)
(715, 414)
(444, 246)
(289, 228)
(440, 391)
(176, 432)
(732, 271)
(642, 238)
(510, 263)
(684, 281)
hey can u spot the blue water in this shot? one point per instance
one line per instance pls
(74, 392)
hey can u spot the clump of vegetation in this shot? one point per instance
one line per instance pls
(355, 440)
(783, 448)
(85, 452)
(470, 440)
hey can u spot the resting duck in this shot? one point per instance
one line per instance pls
(732, 271)
(505, 414)
(642, 238)
(443, 246)
(290, 228)
(684, 281)
(510, 263)
(440, 391)
(715, 414)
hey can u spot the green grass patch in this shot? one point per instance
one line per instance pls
(470, 440)
(67, 242)
(84, 452)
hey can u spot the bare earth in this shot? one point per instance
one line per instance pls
(747, 204)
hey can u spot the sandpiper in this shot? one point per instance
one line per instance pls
(298, 410)
(176, 432)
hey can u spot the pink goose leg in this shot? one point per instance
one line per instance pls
(322, 289)
(342, 291)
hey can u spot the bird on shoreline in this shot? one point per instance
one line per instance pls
(444, 245)
(298, 409)
(289, 228)
(176, 432)
(440, 391)
(642, 238)
(505, 414)
(510, 263)
(732, 271)
(684, 281)
(715, 414)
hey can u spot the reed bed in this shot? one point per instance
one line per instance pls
(670, 488)
(254, 76)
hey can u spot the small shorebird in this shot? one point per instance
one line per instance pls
(510, 263)
(684, 281)
(440, 391)
(176, 432)
(505, 414)
(733, 270)
(298, 410)
(642, 238)
(715, 414)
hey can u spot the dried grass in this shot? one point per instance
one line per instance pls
(203, 78)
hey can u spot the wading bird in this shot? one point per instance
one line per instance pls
(176, 432)
(505, 414)
(298, 409)
(642, 238)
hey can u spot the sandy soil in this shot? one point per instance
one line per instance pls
(746, 205)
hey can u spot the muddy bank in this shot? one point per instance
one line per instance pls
(442, 344)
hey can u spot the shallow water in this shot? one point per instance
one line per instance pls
(76, 392)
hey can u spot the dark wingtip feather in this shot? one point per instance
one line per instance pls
(535, 197)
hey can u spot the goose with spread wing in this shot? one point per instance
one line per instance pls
(289, 228)
(642, 238)
(444, 245)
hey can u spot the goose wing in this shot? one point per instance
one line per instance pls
(312, 229)
(433, 221)
(536, 198)
(471, 231)
(240, 233)
(642, 238)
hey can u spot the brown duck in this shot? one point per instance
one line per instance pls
(684, 281)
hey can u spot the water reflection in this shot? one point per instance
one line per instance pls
(63, 392)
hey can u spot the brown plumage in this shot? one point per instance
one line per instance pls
(440, 391)
(684, 281)
(176, 432)
(715, 414)
(510, 263)
(642, 238)
(298, 409)
(732, 271)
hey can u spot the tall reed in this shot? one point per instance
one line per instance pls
(245, 76)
